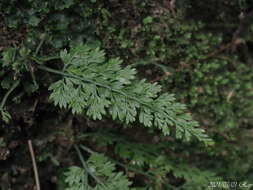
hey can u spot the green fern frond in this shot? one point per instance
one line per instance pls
(138, 157)
(94, 86)
(75, 178)
(100, 168)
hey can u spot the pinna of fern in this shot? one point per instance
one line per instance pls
(95, 86)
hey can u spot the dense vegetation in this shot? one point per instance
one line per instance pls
(140, 95)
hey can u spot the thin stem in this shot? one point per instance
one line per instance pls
(35, 169)
(44, 59)
(8, 93)
(41, 60)
(164, 68)
(133, 169)
(40, 44)
(31, 69)
(87, 149)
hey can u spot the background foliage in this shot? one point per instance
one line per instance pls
(201, 52)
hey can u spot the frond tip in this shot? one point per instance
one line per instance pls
(96, 87)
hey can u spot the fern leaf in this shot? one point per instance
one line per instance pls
(96, 87)
(100, 167)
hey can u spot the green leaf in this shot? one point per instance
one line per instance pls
(5, 116)
(148, 20)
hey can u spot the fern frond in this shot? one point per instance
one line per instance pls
(99, 166)
(94, 86)
(138, 157)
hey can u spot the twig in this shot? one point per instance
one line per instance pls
(43, 37)
(31, 69)
(35, 169)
